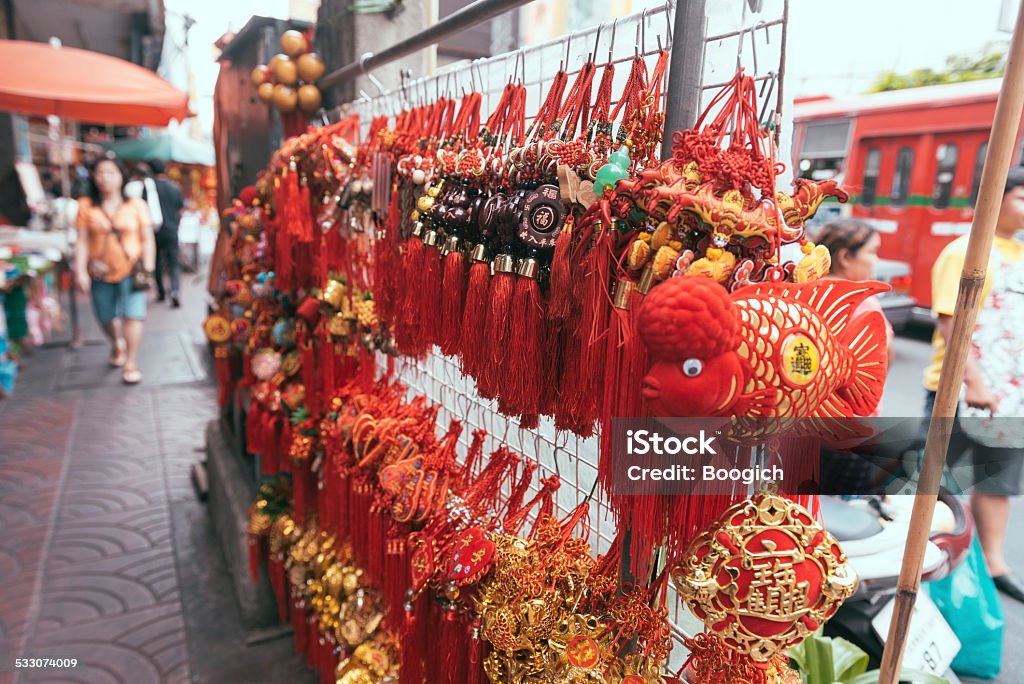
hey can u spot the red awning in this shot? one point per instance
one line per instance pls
(85, 86)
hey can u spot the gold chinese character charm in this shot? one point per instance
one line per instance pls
(765, 576)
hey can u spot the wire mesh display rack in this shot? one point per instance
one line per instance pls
(736, 37)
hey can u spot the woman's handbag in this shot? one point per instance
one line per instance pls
(141, 278)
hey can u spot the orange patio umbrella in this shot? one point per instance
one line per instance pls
(75, 84)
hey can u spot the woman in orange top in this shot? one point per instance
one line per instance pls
(113, 234)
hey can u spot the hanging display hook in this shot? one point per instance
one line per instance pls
(369, 75)
(611, 42)
(641, 34)
(564, 65)
(597, 41)
(753, 47)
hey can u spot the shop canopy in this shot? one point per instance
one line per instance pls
(43, 80)
(168, 146)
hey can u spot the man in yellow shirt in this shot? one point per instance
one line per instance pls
(992, 401)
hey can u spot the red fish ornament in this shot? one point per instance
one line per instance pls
(767, 350)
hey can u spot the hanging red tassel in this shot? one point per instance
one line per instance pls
(583, 363)
(283, 259)
(326, 366)
(270, 429)
(561, 275)
(477, 652)
(307, 365)
(497, 326)
(225, 379)
(408, 336)
(388, 263)
(284, 442)
(525, 362)
(430, 294)
(253, 428)
(396, 578)
(304, 225)
(474, 316)
(453, 297)
(413, 641)
(327, 661)
(248, 379)
(286, 200)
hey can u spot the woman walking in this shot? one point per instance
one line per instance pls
(115, 236)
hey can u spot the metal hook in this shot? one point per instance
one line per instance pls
(515, 68)
(370, 77)
(765, 98)
(739, 48)
(597, 41)
(564, 65)
(636, 40)
(611, 44)
(753, 47)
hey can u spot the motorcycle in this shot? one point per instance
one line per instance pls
(873, 533)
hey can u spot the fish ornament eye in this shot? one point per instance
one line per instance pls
(692, 367)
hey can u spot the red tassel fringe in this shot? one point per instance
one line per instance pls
(474, 320)
(453, 297)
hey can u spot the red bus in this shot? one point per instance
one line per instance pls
(911, 161)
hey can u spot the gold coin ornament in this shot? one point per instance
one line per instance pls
(764, 577)
(217, 328)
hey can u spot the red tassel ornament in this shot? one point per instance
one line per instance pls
(561, 275)
(225, 378)
(430, 294)
(525, 366)
(474, 315)
(453, 296)
(496, 330)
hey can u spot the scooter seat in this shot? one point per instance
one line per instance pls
(847, 522)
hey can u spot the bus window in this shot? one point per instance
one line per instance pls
(823, 148)
(979, 164)
(947, 156)
(901, 177)
(872, 163)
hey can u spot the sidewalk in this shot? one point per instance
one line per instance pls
(106, 554)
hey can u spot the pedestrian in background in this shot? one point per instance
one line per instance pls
(114, 233)
(167, 205)
(992, 401)
(853, 246)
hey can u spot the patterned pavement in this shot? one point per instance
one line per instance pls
(105, 554)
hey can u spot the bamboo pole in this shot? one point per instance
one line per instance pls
(972, 280)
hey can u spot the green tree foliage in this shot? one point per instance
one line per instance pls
(959, 68)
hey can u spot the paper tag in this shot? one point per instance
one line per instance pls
(931, 643)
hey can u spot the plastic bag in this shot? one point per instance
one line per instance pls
(969, 601)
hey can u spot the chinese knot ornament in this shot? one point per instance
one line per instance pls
(764, 577)
(766, 350)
